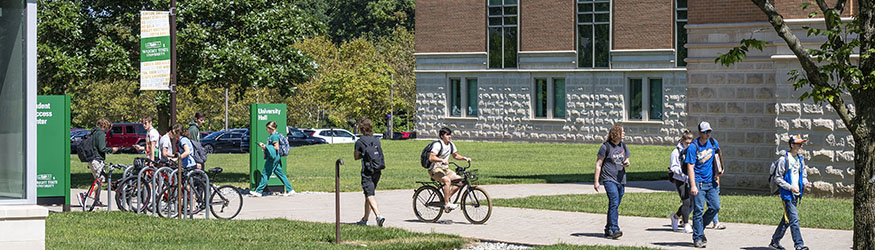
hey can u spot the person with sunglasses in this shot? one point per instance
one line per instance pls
(700, 161)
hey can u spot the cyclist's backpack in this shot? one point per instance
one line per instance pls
(372, 153)
(426, 153)
(85, 149)
(284, 146)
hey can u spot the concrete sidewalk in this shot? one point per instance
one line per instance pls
(536, 227)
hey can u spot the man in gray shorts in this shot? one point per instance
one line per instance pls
(440, 169)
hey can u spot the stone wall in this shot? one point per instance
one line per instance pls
(595, 100)
(754, 109)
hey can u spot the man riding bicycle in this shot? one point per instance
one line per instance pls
(440, 170)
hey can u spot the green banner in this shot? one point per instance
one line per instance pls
(154, 48)
(53, 149)
(259, 116)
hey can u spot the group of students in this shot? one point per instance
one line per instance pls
(695, 171)
(157, 147)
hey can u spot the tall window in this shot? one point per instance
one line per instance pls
(593, 33)
(502, 31)
(549, 101)
(680, 31)
(463, 93)
(13, 79)
(645, 99)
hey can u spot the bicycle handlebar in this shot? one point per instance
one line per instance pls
(463, 168)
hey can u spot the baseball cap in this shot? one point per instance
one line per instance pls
(797, 139)
(704, 126)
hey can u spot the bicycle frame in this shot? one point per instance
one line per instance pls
(466, 183)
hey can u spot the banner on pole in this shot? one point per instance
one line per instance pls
(154, 50)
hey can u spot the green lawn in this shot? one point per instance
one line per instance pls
(119, 230)
(813, 212)
(312, 167)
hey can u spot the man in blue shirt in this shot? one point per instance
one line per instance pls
(700, 160)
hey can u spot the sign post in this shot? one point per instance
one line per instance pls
(259, 116)
(53, 149)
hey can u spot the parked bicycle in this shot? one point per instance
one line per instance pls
(428, 200)
(91, 199)
(225, 201)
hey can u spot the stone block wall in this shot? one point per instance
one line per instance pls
(754, 109)
(595, 100)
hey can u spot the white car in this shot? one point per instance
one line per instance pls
(332, 136)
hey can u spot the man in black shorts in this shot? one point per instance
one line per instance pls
(369, 150)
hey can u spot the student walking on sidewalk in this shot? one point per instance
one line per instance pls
(791, 177)
(273, 162)
(610, 168)
(681, 182)
(704, 189)
(369, 150)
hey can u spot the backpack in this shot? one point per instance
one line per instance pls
(372, 153)
(284, 146)
(197, 152)
(85, 149)
(773, 184)
(682, 157)
(426, 153)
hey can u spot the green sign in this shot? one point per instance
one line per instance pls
(259, 116)
(154, 49)
(53, 149)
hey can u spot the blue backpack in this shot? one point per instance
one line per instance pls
(284, 146)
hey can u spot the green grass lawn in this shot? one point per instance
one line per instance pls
(312, 167)
(813, 212)
(119, 230)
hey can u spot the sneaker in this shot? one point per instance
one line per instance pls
(617, 234)
(718, 226)
(362, 223)
(775, 246)
(450, 207)
(380, 221)
(254, 194)
(704, 239)
(608, 233)
(688, 228)
(802, 248)
(674, 221)
(289, 193)
(699, 244)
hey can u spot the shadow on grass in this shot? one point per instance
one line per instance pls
(566, 178)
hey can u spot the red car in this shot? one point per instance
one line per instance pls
(125, 135)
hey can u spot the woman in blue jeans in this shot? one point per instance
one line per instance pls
(610, 169)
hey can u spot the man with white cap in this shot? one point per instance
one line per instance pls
(791, 177)
(700, 160)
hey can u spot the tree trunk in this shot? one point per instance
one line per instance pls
(864, 195)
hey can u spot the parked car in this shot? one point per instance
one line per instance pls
(299, 138)
(379, 136)
(227, 141)
(404, 135)
(332, 136)
(125, 135)
(76, 138)
(205, 134)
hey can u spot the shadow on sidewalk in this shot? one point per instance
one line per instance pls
(444, 222)
(572, 178)
(659, 229)
(593, 235)
(756, 248)
(674, 244)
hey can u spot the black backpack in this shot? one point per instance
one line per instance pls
(85, 149)
(372, 153)
(426, 153)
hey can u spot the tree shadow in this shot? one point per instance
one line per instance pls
(567, 178)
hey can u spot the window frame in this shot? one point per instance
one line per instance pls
(593, 23)
(463, 97)
(551, 99)
(645, 99)
(679, 62)
(503, 26)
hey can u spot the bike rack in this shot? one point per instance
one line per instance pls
(140, 206)
(127, 169)
(206, 197)
(108, 187)
(156, 189)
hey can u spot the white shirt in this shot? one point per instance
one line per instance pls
(795, 167)
(443, 154)
(153, 136)
(162, 144)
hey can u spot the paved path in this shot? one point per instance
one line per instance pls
(529, 226)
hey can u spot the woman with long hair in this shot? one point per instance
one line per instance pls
(678, 173)
(610, 169)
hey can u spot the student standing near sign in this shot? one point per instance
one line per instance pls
(273, 162)
(152, 137)
(369, 150)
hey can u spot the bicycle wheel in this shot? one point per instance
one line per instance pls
(123, 193)
(91, 199)
(476, 205)
(166, 205)
(226, 202)
(428, 204)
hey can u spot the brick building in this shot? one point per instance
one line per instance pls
(566, 70)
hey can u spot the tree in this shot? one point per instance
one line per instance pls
(830, 75)
(350, 19)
